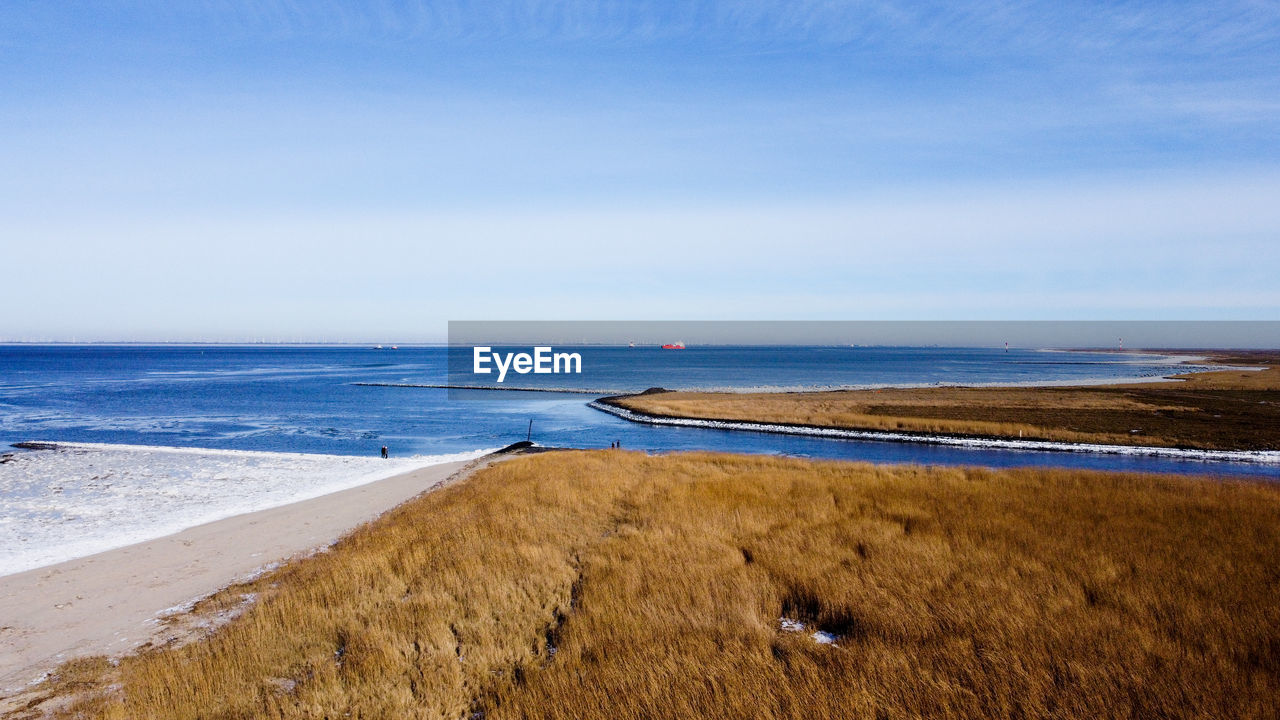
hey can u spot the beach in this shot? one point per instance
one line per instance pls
(689, 361)
(110, 603)
(257, 594)
(613, 584)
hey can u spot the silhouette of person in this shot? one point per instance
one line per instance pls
(384, 451)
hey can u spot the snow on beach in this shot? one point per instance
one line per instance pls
(77, 499)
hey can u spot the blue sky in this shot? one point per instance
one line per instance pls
(245, 170)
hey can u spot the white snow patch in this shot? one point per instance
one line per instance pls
(821, 637)
(84, 498)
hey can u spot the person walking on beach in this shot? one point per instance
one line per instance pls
(384, 452)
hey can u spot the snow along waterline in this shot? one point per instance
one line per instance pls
(1249, 456)
(69, 500)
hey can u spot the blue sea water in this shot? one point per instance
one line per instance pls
(349, 400)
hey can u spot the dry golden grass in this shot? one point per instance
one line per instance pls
(660, 581)
(865, 410)
(1265, 379)
(1226, 410)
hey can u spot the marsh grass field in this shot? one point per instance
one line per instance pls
(1225, 410)
(610, 584)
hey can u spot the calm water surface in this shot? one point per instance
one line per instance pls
(310, 399)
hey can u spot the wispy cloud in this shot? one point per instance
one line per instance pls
(985, 26)
(736, 156)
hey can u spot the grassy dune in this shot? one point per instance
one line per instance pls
(617, 585)
(1227, 410)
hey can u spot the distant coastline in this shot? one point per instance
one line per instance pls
(609, 405)
(1217, 412)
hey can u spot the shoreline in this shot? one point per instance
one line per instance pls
(1206, 367)
(1188, 364)
(977, 441)
(784, 389)
(115, 601)
(243, 481)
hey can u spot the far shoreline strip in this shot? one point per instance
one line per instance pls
(1246, 456)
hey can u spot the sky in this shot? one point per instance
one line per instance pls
(243, 171)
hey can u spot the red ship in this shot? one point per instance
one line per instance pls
(673, 346)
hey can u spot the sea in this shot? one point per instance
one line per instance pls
(136, 442)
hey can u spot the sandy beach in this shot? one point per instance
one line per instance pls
(109, 603)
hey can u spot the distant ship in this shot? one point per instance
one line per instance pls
(673, 346)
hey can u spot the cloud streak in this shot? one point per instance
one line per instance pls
(994, 26)
(203, 167)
